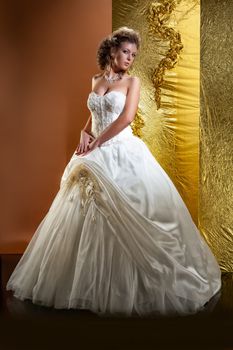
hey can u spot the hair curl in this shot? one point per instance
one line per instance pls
(114, 40)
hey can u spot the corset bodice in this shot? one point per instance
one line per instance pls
(104, 110)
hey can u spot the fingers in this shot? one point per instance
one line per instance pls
(82, 148)
(84, 144)
(85, 147)
(77, 149)
(85, 153)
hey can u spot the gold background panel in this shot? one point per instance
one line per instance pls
(172, 131)
(216, 129)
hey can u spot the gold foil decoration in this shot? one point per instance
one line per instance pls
(159, 14)
(172, 131)
(138, 123)
(216, 130)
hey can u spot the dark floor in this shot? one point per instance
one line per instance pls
(28, 326)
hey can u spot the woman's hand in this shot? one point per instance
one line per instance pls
(85, 140)
(94, 144)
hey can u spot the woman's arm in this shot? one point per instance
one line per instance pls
(85, 136)
(87, 127)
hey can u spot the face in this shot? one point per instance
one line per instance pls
(124, 57)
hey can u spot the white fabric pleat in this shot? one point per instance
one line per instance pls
(117, 239)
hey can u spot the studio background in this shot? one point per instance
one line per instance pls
(47, 59)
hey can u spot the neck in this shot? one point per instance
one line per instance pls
(113, 72)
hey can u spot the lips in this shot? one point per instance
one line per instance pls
(126, 63)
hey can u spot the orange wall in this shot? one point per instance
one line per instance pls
(48, 55)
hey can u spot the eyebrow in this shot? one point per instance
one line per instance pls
(131, 51)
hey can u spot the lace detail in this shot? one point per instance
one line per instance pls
(105, 109)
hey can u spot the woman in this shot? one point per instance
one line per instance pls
(118, 238)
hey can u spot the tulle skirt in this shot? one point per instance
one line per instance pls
(119, 240)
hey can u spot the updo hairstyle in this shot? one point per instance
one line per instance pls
(114, 40)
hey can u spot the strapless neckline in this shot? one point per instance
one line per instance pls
(115, 91)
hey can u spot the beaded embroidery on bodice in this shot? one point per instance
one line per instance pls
(104, 110)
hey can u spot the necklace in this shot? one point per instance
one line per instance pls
(118, 76)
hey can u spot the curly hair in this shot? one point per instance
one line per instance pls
(114, 40)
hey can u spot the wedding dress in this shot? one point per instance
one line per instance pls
(118, 238)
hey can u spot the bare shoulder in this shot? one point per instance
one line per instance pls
(95, 78)
(134, 83)
(134, 78)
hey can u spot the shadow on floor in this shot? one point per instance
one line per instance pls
(27, 326)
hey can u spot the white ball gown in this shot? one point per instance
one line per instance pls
(118, 238)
